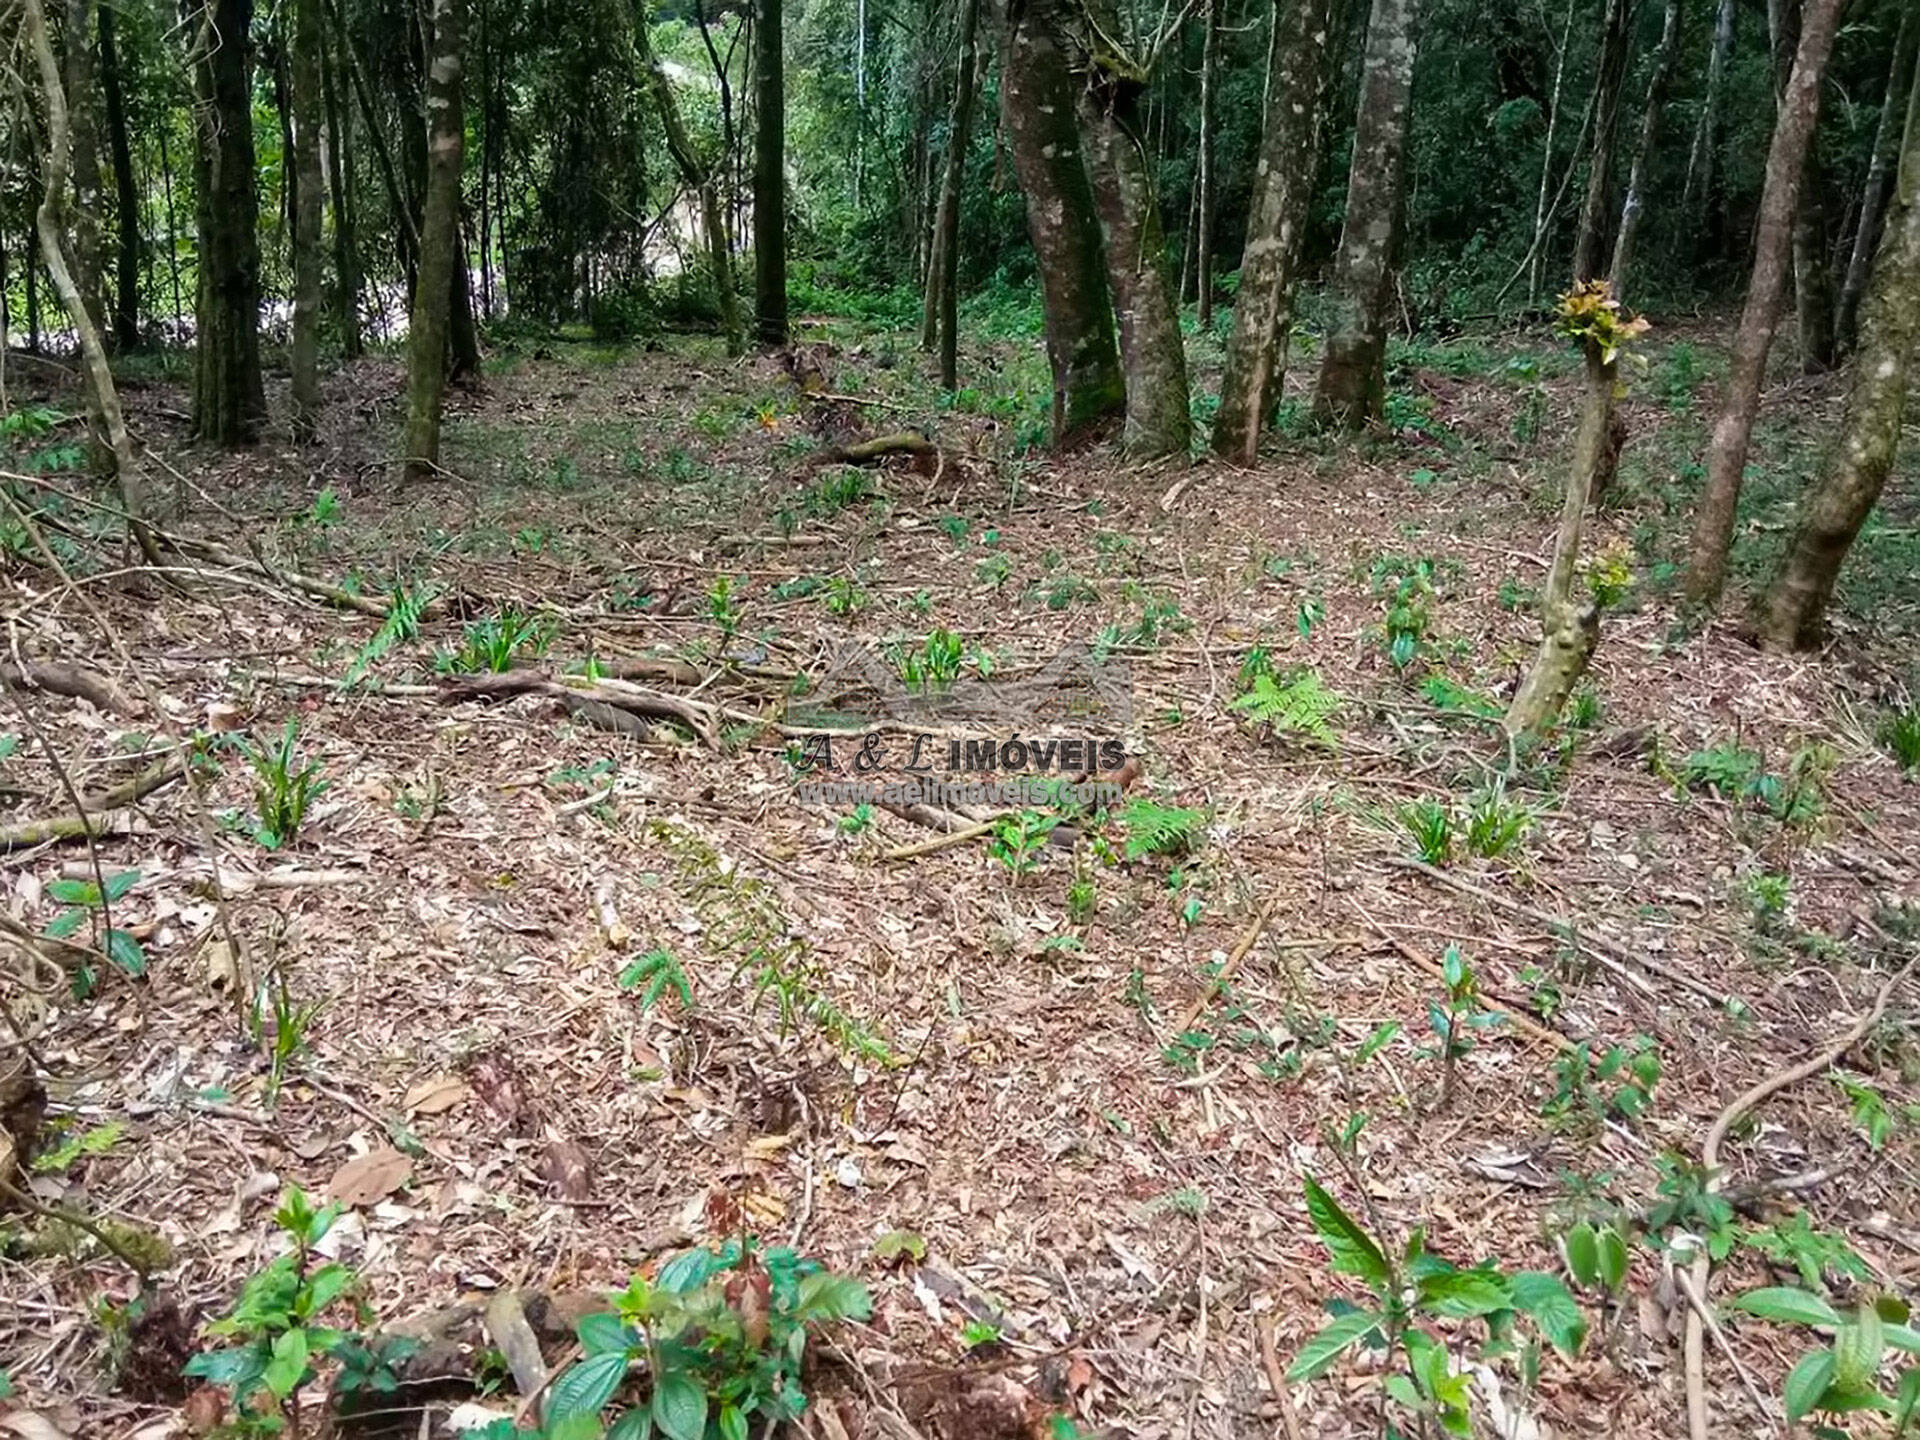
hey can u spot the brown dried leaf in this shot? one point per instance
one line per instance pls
(565, 1167)
(436, 1096)
(371, 1177)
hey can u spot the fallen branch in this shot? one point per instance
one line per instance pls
(1240, 952)
(620, 695)
(71, 681)
(951, 838)
(1702, 1269)
(866, 452)
(1612, 956)
(1511, 1012)
(95, 816)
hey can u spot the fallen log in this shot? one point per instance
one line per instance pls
(96, 813)
(71, 681)
(866, 452)
(698, 717)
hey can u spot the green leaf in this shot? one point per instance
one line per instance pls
(679, 1406)
(574, 1427)
(1464, 1294)
(74, 892)
(1613, 1259)
(1542, 1296)
(65, 924)
(1908, 1397)
(1807, 1382)
(226, 1368)
(1352, 1249)
(125, 952)
(1582, 1247)
(733, 1425)
(1316, 1357)
(604, 1333)
(896, 1244)
(827, 1296)
(1399, 1388)
(1857, 1350)
(585, 1388)
(1374, 1042)
(118, 885)
(1783, 1302)
(289, 1363)
(324, 1287)
(6, 1384)
(1903, 1337)
(687, 1271)
(634, 1425)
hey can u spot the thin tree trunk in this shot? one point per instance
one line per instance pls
(1203, 201)
(941, 325)
(1793, 614)
(1282, 195)
(439, 246)
(1643, 147)
(89, 271)
(1880, 176)
(1812, 278)
(769, 179)
(1037, 107)
(346, 256)
(1569, 623)
(698, 175)
(1352, 389)
(228, 397)
(1537, 247)
(309, 191)
(1786, 161)
(488, 141)
(1706, 135)
(50, 222)
(407, 237)
(126, 292)
(463, 336)
(1159, 420)
(173, 228)
(1589, 242)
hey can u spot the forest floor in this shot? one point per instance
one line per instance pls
(988, 1100)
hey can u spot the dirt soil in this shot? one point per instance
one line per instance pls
(964, 1052)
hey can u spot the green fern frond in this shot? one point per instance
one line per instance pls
(1300, 705)
(405, 609)
(1155, 829)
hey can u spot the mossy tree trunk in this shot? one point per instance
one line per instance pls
(1159, 420)
(310, 196)
(1712, 539)
(1352, 389)
(346, 253)
(229, 399)
(1282, 196)
(769, 178)
(1569, 621)
(427, 334)
(1793, 611)
(1038, 107)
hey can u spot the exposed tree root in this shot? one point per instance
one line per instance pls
(96, 816)
(700, 718)
(71, 681)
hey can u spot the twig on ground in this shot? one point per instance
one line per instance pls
(96, 813)
(1512, 1011)
(1277, 1378)
(1240, 951)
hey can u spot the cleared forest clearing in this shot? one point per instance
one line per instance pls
(546, 992)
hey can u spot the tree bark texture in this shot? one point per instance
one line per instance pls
(1037, 108)
(1158, 417)
(439, 246)
(126, 270)
(1282, 196)
(346, 254)
(1706, 130)
(228, 397)
(940, 327)
(1879, 181)
(1569, 622)
(89, 269)
(769, 178)
(1589, 242)
(1712, 538)
(1632, 208)
(1352, 389)
(309, 198)
(1793, 612)
(1203, 198)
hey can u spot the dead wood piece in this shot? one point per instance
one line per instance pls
(71, 681)
(1510, 1008)
(618, 694)
(96, 817)
(1240, 952)
(866, 452)
(23, 1104)
(506, 1322)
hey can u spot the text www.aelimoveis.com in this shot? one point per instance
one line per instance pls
(926, 790)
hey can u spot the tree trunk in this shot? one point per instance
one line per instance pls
(1352, 390)
(407, 239)
(1706, 132)
(1793, 613)
(940, 326)
(309, 196)
(1569, 623)
(1282, 196)
(1537, 247)
(346, 255)
(1589, 243)
(1037, 108)
(228, 397)
(1203, 200)
(439, 246)
(769, 178)
(463, 336)
(697, 174)
(1643, 147)
(1159, 421)
(1786, 161)
(126, 273)
(89, 270)
(50, 222)
(173, 228)
(1812, 275)
(1873, 196)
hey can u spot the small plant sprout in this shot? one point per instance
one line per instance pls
(284, 788)
(1619, 1085)
(858, 821)
(655, 974)
(1900, 733)
(1454, 1019)
(1019, 840)
(494, 644)
(723, 604)
(1496, 824)
(1431, 825)
(1597, 1258)
(82, 901)
(1848, 1374)
(1297, 708)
